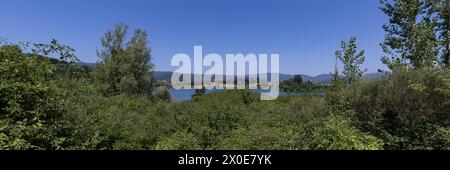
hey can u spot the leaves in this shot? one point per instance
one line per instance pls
(410, 36)
(351, 60)
(125, 66)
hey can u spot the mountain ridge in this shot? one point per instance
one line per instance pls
(318, 79)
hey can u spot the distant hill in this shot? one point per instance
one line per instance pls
(162, 75)
(91, 65)
(322, 78)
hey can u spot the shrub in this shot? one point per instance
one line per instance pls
(31, 112)
(261, 136)
(397, 107)
(179, 141)
(337, 134)
(162, 94)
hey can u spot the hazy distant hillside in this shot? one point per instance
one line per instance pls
(322, 78)
(162, 75)
(92, 65)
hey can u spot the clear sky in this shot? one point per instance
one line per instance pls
(305, 33)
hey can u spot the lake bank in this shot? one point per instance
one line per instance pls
(186, 94)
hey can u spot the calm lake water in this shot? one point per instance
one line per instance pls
(186, 94)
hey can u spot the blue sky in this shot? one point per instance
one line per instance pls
(305, 33)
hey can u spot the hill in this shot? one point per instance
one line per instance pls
(319, 79)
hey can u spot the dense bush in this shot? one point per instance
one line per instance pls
(222, 120)
(180, 140)
(31, 112)
(162, 94)
(337, 133)
(405, 109)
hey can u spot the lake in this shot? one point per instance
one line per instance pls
(186, 94)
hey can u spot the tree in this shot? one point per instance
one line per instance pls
(336, 72)
(30, 103)
(410, 38)
(351, 60)
(439, 10)
(298, 79)
(125, 66)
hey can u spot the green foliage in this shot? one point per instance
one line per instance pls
(125, 66)
(12, 135)
(162, 94)
(351, 60)
(337, 134)
(296, 84)
(118, 122)
(222, 120)
(179, 141)
(410, 37)
(31, 113)
(397, 108)
(247, 97)
(261, 137)
(440, 139)
(287, 123)
(63, 51)
(53, 104)
(49, 102)
(336, 97)
(298, 79)
(439, 12)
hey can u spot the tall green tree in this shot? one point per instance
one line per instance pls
(410, 38)
(125, 66)
(439, 11)
(351, 60)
